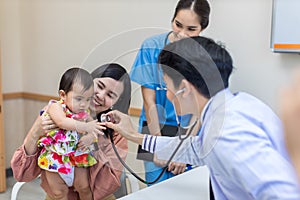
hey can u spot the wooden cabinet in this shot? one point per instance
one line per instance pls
(2, 142)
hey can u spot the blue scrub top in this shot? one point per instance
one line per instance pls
(145, 71)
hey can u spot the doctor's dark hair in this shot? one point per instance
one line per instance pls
(199, 60)
(75, 75)
(118, 73)
(200, 7)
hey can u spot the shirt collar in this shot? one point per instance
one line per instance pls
(205, 110)
(216, 100)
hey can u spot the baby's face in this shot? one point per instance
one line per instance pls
(78, 99)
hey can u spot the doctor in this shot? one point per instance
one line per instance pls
(240, 139)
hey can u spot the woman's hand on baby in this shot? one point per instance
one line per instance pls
(47, 124)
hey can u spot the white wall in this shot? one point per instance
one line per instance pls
(41, 38)
(10, 41)
(245, 27)
(53, 35)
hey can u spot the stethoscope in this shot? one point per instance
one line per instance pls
(159, 70)
(181, 138)
(179, 132)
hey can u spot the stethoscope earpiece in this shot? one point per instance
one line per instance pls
(179, 91)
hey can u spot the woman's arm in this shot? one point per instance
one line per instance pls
(149, 99)
(30, 142)
(24, 160)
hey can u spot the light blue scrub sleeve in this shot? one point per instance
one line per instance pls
(145, 69)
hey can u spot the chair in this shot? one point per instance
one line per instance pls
(124, 189)
(17, 186)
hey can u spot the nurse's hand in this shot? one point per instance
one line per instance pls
(177, 168)
(122, 124)
(174, 167)
(160, 163)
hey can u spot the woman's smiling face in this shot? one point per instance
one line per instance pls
(106, 93)
(185, 24)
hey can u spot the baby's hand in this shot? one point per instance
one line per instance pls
(93, 130)
(94, 127)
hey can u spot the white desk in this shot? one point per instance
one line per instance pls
(191, 185)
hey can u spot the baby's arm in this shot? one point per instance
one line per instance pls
(59, 117)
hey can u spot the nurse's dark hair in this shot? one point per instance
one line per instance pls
(75, 75)
(204, 63)
(200, 7)
(118, 73)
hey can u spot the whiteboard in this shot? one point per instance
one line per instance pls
(285, 36)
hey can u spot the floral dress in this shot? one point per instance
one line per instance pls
(59, 152)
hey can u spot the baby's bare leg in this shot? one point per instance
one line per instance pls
(82, 184)
(57, 185)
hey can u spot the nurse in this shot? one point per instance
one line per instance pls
(191, 17)
(240, 140)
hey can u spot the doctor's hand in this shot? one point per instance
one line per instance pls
(122, 124)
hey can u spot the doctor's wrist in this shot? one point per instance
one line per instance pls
(136, 137)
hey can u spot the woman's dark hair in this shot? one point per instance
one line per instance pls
(118, 73)
(204, 63)
(200, 7)
(74, 75)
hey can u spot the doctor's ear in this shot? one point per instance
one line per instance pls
(186, 87)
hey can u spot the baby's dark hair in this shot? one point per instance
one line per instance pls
(73, 75)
